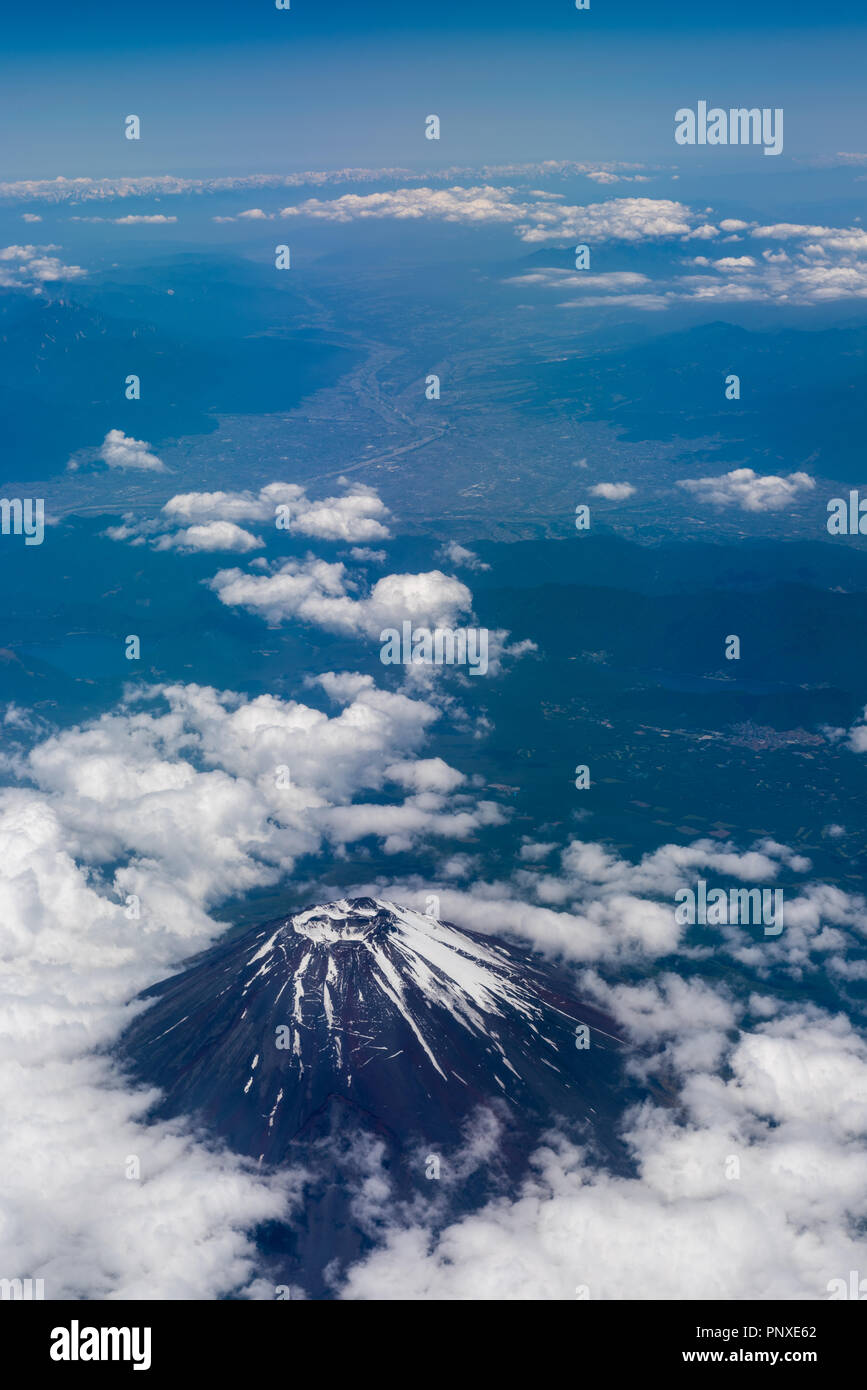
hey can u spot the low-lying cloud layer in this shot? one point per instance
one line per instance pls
(752, 1188)
(535, 220)
(753, 1184)
(75, 190)
(751, 491)
(805, 263)
(124, 834)
(212, 521)
(31, 267)
(318, 592)
(121, 838)
(812, 265)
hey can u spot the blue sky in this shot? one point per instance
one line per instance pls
(163, 23)
(231, 88)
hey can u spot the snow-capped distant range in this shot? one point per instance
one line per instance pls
(378, 1010)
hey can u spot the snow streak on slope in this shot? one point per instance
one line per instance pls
(409, 955)
(365, 1004)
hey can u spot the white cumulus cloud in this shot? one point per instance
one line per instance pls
(612, 492)
(750, 491)
(120, 450)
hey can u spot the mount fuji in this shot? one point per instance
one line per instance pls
(362, 1023)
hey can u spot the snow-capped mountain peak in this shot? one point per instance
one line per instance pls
(409, 1018)
(411, 962)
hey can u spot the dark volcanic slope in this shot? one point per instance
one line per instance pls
(398, 1016)
(361, 1026)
